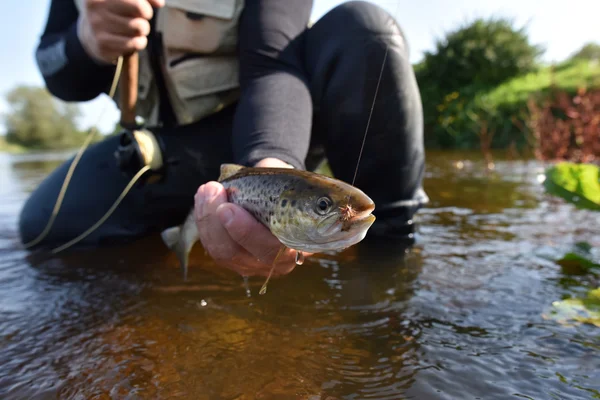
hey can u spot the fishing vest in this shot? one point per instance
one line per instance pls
(199, 63)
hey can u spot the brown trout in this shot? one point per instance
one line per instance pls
(306, 211)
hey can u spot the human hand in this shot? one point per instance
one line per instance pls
(234, 238)
(109, 29)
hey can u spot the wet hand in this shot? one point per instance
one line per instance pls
(234, 238)
(108, 29)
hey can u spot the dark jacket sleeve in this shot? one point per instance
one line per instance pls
(274, 114)
(69, 73)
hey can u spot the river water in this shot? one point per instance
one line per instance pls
(460, 315)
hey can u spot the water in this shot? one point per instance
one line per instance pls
(458, 316)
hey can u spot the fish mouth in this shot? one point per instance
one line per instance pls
(361, 218)
(366, 214)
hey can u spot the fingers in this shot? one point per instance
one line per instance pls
(124, 26)
(255, 238)
(127, 8)
(213, 235)
(244, 229)
(157, 3)
(111, 46)
(234, 238)
(112, 28)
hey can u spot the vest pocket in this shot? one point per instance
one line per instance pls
(200, 26)
(199, 76)
(203, 85)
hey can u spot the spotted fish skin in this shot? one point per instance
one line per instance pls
(306, 211)
(259, 196)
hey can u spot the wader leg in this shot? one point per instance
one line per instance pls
(198, 150)
(343, 55)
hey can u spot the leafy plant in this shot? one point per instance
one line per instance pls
(566, 127)
(589, 51)
(578, 309)
(578, 184)
(482, 53)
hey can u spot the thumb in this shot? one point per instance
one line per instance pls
(157, 3)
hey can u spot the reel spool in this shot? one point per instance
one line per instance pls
(138, 147)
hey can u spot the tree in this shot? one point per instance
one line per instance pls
(482, 53)
(469, 60)
(37, 120)
(589, 51)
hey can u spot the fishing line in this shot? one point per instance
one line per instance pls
(146, 153)
(73, 165)
(107, 214)
(387, 46)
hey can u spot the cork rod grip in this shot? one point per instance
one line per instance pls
(129, 89)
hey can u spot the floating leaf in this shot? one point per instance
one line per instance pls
(580, 259)
(584, 246)
(577, 310)
(576, 183)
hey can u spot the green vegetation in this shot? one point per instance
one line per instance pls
(578, 184)
(463, 116)
(478, 55)
(10, 147)
(484, 86)
(38, 121)
(589, 51)
(584, 309)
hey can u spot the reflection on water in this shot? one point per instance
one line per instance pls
(459, 315)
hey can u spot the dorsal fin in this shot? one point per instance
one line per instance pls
(228, 170)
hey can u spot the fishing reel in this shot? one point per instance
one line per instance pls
(138, 148)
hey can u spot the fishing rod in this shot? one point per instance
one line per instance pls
(138, 148)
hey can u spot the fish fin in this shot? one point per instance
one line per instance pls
(181, 239)
(171, 236)
(228, 170)
(173, 240)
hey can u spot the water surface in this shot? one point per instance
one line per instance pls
(460, 315)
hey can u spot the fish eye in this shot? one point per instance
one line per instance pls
(324, 205)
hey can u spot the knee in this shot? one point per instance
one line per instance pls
(363, 17)
(356, 25)
(32, 221)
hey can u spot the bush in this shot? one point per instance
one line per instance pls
(589, 51)
(502, 112)
(482, 53)
(470, 60)
(566, 127)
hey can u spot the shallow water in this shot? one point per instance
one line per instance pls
(460, 315)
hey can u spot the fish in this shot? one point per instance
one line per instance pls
(307, 211)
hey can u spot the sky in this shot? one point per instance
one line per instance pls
(562, 27)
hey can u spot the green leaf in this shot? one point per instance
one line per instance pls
(584, 310)
(576, 183)
(575, 260)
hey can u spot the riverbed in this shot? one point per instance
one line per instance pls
(461, 314)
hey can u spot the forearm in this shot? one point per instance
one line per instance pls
(68, 71)
(274, 114)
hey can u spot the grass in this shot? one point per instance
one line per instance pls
(10, 147)
(500, 113)
(568, 77)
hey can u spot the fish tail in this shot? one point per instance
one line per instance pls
(181, 239)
